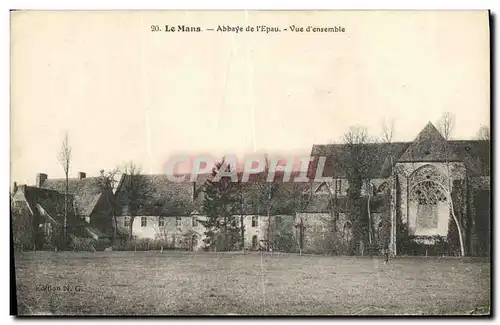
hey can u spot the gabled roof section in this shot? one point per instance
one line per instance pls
(335, 153)
(85, 191)
(475, 154)
(46, 203)
(429, 145)
(159, 195)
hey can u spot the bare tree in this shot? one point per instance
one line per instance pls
(356, 135)
(446, 125)
(387, 131)
(387, 137)
(483, 133)
(137, 190)
(65, 161)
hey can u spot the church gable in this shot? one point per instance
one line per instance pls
(429, 145)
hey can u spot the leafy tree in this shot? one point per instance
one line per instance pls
(106, 182)
(357, 163)
(23, 228)
(221, 206)
(137, 191)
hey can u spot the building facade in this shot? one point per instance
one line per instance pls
(415, 195)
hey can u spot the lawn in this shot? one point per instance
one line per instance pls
(175, 283)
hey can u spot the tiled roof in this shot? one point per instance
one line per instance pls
(429, 145)
(85, 191)
(159, 195)
(380, 153)
(475, 154)
(162, 196)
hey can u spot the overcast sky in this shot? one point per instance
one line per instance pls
(124, 93)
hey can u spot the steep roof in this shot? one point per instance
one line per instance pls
(46, 203)
(85, 191)
(429, 145)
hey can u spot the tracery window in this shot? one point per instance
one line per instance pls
(428, 172)
(428, 193)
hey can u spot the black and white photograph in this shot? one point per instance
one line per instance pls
(250, 163)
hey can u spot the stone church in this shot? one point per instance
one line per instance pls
(415, 196)
(420, 190)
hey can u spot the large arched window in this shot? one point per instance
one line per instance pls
(427, 195)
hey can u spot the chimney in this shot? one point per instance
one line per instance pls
(40, 178)
(81, 175)
(14, 188)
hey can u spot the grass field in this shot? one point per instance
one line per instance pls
(175, 283)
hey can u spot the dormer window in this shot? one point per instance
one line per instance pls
(427, 152)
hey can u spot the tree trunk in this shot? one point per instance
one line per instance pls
(131, 225)
(370, 235)
(114, 220)
(66, 211)
(242, 233)
(392, 196)
(268, 244)
(459, 229)
(268, 208)
(225, 233)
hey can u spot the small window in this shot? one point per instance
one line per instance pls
(233, 223)
(278, 220)
(194, 222)
(255, 221)
(144, 221)
(161, 221)
(126, 221)
(177, 221)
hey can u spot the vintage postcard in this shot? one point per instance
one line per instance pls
(250, 162)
